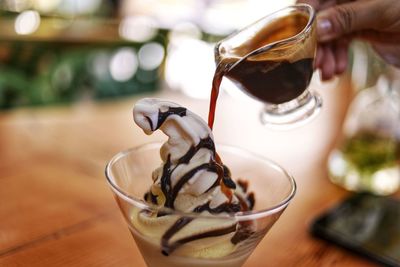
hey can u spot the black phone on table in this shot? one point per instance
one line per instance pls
(366, 224)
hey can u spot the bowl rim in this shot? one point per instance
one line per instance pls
(241, 216)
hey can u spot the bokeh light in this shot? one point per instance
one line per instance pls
(46, 6)
(151, 56)
(76, 7)
(137, 28)
(123, 64)
(190, 67)
(27, 22)
(183, 31)
(98, 65)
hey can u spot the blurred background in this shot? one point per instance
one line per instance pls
(59, 51)
(71, 51)
(65, 55)
(67, 51)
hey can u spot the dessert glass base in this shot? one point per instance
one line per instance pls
(228, 240)
(152, 256)
(292, 114)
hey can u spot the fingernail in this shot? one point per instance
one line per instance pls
(324, 27)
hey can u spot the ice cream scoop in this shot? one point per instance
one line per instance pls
(190, 179)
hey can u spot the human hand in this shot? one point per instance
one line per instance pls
(341, 21)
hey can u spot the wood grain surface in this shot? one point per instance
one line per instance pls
(56, 208)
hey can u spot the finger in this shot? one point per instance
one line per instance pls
(346, 18)
(377, 36)
(328, 64)
(319, 57)
(329, 3)
(319, 4)
(341, 56)
(314, 3)
(322, 4)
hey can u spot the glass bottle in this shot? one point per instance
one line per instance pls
(368, 157)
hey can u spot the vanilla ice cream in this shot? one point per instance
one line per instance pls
(191, 179)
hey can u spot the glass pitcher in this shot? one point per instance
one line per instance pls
(272, 61)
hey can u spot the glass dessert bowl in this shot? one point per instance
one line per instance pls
(172, 238)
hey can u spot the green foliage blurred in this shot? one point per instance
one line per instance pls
(36, 73)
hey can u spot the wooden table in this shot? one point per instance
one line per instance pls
(56, 208)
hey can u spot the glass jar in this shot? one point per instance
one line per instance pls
(367, 158)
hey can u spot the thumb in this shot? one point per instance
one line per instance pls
(347, 18)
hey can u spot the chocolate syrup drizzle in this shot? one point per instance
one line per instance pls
(171, 192)
(168, 248)
(224, 207)
(162, 116)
